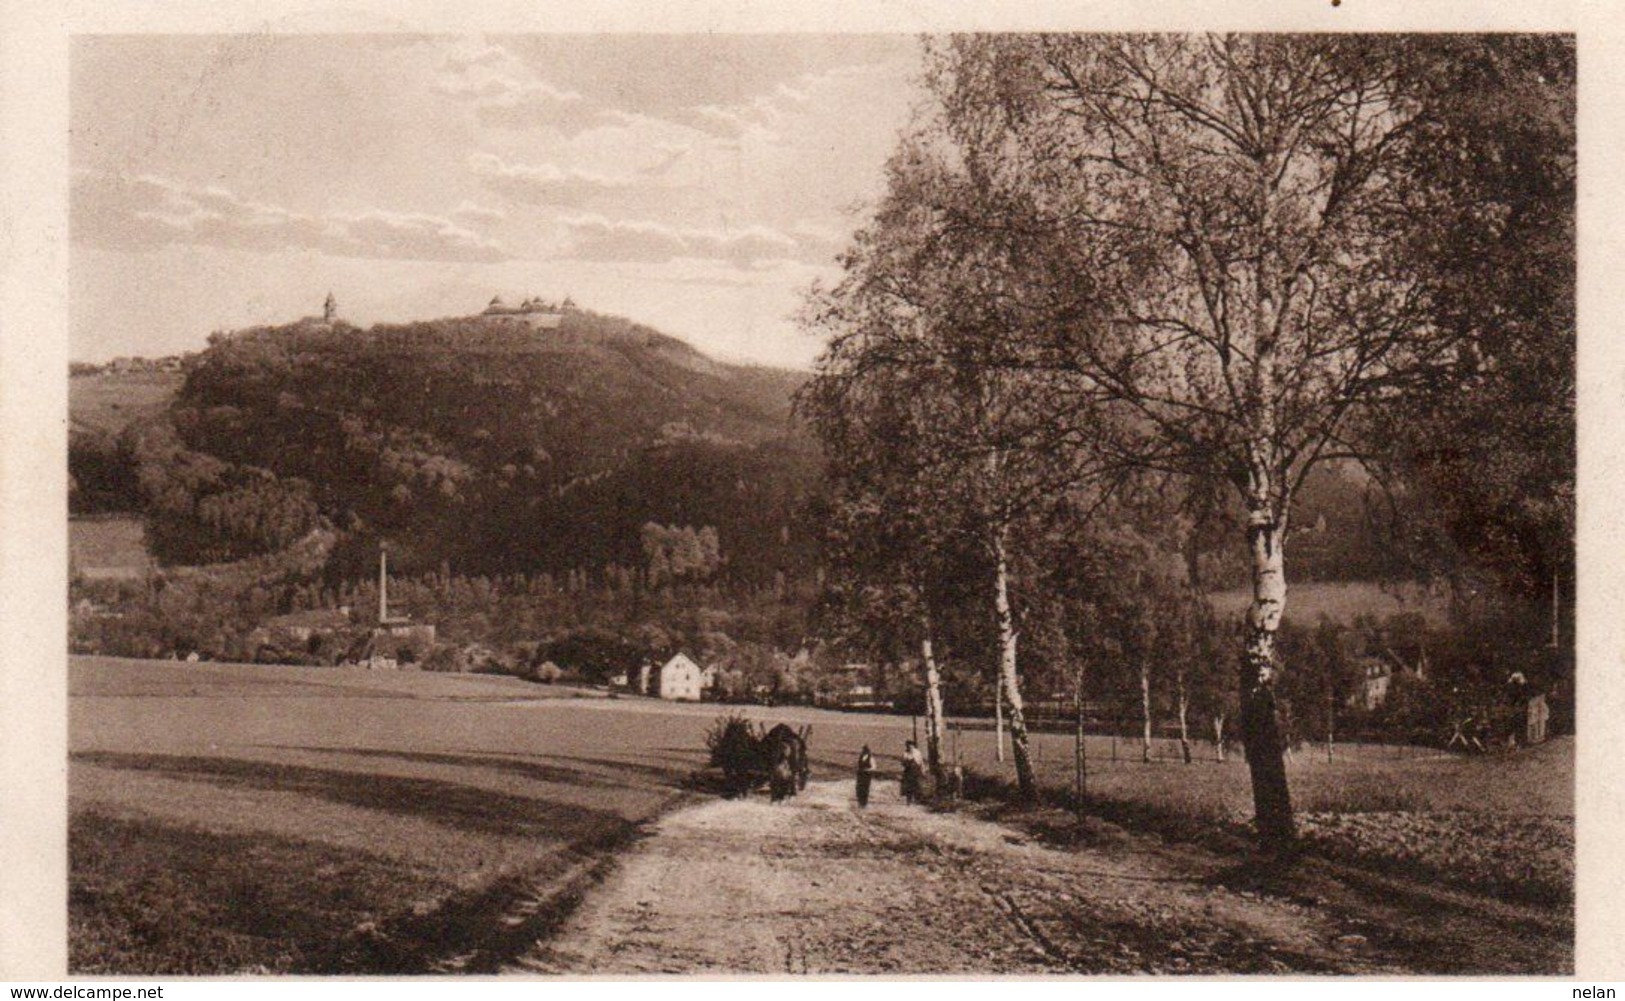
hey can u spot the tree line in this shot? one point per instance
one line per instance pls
(1123, 294)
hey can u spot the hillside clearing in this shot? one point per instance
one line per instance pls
(109, 547)
(108, 402)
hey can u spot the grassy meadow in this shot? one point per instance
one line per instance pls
(1342, 601)
(1364, 778)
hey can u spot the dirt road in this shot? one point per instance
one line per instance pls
(817, 886)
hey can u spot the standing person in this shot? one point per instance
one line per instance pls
(866, 773)
(913, 771)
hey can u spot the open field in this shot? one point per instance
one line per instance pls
(281, 819)
(109, 547)
(109, 402)
(229, 818)
(1340, 601)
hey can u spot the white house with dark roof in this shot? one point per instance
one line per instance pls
(681, 679)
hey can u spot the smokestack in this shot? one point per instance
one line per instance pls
(383, 583)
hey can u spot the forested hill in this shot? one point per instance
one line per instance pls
(480, 444)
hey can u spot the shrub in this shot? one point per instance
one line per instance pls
(547, 673)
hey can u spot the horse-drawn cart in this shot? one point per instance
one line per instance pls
(751, 756)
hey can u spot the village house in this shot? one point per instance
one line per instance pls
(682, 680)
(850, 686)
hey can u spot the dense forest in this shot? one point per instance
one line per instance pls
(471, 446)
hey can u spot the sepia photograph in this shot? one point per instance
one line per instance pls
(983, 504)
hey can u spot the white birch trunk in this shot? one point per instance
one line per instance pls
(1025, 782)
(933, 706)
(1260, 724)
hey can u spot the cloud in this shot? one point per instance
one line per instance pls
(506, 93)
(139, 213)
(640, 241)
(569, 119)
(818, 244)
(492, 74)
(479, 213)
(546, 183)
(669, 155)
(766, 113)
(414, 236)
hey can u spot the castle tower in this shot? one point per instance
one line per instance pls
(330, 309)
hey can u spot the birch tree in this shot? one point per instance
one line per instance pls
(920, 319)
(1207, 231)
(883, 539)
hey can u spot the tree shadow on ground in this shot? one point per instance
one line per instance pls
(151, 898)
(525, 766)
(467, 808)
(669, 772)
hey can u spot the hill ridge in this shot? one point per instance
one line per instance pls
(472, 441)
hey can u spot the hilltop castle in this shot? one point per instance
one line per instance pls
(533, 312)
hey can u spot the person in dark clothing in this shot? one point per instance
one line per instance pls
(913, 772)
(866, 774)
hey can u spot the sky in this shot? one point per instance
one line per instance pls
(697, 183)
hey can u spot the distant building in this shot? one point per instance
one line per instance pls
(330, 309)
(1539, 717)
(533, 312)
(681, 679)
(1376, 675)
(850, 686)
(294, 632)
